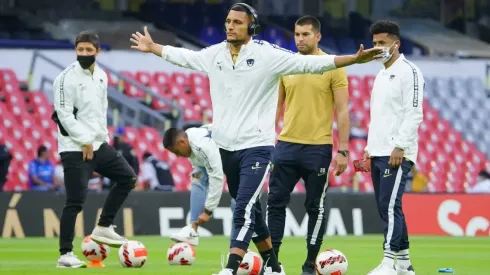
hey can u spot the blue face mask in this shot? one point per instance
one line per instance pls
(386, 53)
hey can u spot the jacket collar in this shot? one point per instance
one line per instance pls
(244, 52)
(86, 71)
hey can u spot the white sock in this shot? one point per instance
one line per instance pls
(389, 258)
(403, 259)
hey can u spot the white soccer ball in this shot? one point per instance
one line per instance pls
(132, 254)
(331, 262)
(181, 254)
(93, 251)
(251, 264)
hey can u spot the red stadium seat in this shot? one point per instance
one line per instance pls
(176, 90)
(180, 79)
(162, 79)
(193, 113)
(7, 122)
(158, 104)
(131, 134)
(16, 103)
(37, 98)
(368, 83)
(198, 80)
(111, 79)
(183, 166)
(150, 134)
(27, 121)
(129, 89)
(144, 77)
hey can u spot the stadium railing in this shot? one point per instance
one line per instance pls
(130, 111)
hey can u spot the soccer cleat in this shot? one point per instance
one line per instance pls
(383, 269)
(226, 271)
(308, 270)
(268, 271)
(408, 271)
(107, 235)
(187, 235)
(69, 260)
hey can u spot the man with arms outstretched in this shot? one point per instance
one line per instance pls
(244, 79)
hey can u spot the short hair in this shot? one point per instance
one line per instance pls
(310, 20)
(41, 149)
(146, 155)
(385, 26)
(88, 36)
(238, 7)
(170, 137)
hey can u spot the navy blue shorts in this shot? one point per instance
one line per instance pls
(246, 171)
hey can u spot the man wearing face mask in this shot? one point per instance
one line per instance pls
(80, 110)
(392, 147)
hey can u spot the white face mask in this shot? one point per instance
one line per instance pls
(386, 55)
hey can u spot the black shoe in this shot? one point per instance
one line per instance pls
(308, 270)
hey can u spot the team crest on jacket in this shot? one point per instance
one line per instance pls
(250, 62)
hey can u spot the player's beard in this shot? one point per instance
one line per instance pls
(306, 50)
(236, 42)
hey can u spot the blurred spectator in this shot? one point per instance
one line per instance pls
(5, 158)
(356, 130)
(156, 174)
(125, 150)
(59, 175)
(41, 172)
(482, 183)
(416, 182)
(94, 184)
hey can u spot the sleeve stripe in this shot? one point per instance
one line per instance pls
(415, 101)
(62, 84)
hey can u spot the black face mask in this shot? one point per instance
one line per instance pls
(86, 60)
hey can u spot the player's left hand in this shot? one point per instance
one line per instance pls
(142, 42)
(340, 164)
(203, 218)
(363, 56)
(396, 158)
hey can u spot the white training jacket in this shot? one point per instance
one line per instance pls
(244, 95)
(396, 110)
(76, 88)
(205, 153)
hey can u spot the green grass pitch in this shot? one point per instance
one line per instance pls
(467, 256)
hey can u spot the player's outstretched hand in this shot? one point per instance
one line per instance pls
(142, 42)
(363, 56)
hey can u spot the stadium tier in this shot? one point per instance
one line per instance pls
(447, 158)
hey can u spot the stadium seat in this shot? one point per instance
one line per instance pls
(181, 79)
(162, 78)
(150, 134)
(144, 77)
(131, 134)
(111, 79)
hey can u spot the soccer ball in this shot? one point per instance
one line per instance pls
(93, 251)
(181, 254)
(132, 254)
(331, 262)
(251, 264)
